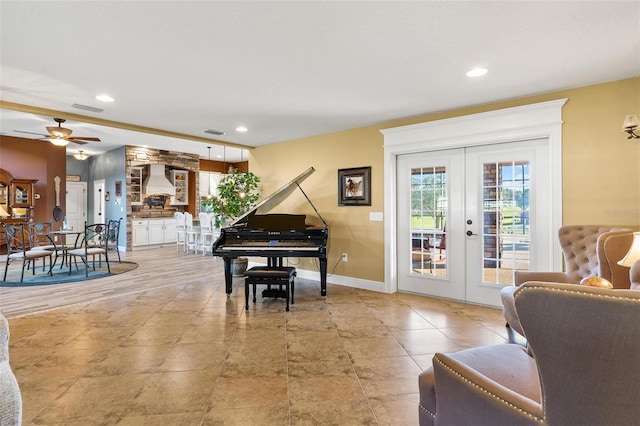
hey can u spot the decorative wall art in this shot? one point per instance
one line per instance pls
(354, 186)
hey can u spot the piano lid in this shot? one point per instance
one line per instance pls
(277, 197)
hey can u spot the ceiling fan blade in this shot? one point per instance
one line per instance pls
(82, 138)
(79, 142)
(31, 133)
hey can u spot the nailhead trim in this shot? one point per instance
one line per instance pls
(423, 408)
(583, 293)
(475, 385)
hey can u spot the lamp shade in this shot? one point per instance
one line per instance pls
(633, 255)
(630, 122)
(59, 141)
(3, 212)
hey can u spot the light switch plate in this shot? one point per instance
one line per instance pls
(375, 216)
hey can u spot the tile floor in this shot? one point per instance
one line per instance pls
(185, 353)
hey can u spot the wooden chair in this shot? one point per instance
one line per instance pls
(19, 248)
(95, 243)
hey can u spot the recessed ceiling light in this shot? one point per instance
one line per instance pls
(241, 129)
(104, 98)
(477, 72)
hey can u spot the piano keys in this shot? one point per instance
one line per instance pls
(274, 236)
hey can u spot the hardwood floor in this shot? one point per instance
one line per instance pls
(164, 345)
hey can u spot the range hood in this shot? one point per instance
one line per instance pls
(157, 182)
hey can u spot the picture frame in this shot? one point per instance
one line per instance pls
(354, 186)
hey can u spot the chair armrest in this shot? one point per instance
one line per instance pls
(634, 276)
(485, 400)
(521, 277)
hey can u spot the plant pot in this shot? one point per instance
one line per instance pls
(239, 266)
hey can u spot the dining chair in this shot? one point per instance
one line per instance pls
(206, 232)
(19, 248)
(192, 236)
(180, 230)
(113, 233)
(41, 239)
(95, 243)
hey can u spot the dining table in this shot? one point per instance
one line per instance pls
(59, 240)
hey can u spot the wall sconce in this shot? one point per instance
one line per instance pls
(629, 125)
(80, 155)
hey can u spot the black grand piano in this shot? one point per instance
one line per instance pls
(274, 236)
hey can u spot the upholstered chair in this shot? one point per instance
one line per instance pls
(10, 398)
(588, 250)
(634, 276)
(581, 366)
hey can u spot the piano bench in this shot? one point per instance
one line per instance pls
(270, 275)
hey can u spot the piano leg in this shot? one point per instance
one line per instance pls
(323, 276)
(228, 277)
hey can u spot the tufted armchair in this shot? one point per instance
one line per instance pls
(581, 367)
(10, 399)
(588, 250)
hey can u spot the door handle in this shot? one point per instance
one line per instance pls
(469, 233)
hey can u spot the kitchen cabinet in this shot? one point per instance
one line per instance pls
(136, 186)
(180, 181)
(153, 231)
(140, 233)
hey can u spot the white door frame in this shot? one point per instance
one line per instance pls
(98, 201)
(541, 120)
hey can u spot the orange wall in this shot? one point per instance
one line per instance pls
(34, 159)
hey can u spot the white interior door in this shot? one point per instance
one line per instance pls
(76, 210)
(466, 216)
(98, 201)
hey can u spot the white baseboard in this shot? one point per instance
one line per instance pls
(336, 279)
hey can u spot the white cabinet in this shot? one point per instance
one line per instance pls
(209, 183)
(180, 182)
(154, 231)
(140, 233)
(136, 186)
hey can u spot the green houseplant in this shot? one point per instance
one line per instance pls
(237, 194)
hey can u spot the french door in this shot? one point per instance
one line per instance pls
(468, 218)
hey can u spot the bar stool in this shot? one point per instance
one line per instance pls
(180, 231)
(192, 234)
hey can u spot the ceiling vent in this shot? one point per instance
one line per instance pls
(214, 132)
(87, 108)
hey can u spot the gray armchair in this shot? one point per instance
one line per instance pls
(10, 398)
(588, 250)
(581, 367)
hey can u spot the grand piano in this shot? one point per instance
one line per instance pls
(274, 236)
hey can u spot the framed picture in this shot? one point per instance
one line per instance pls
(354, 186)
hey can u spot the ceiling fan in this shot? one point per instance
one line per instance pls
(61, 136)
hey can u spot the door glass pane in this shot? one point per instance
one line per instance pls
(428, 221)
(506, 238)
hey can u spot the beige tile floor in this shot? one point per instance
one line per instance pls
(174, 349)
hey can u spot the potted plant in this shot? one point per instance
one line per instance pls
(237, 194)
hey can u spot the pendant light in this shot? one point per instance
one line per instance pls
(242, 194)
(80, 155)
(209, 173)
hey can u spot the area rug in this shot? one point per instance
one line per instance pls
(61, 275)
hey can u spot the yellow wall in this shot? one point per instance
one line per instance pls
(601, 177)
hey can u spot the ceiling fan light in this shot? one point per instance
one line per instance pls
(80, 155)
(59, 141)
